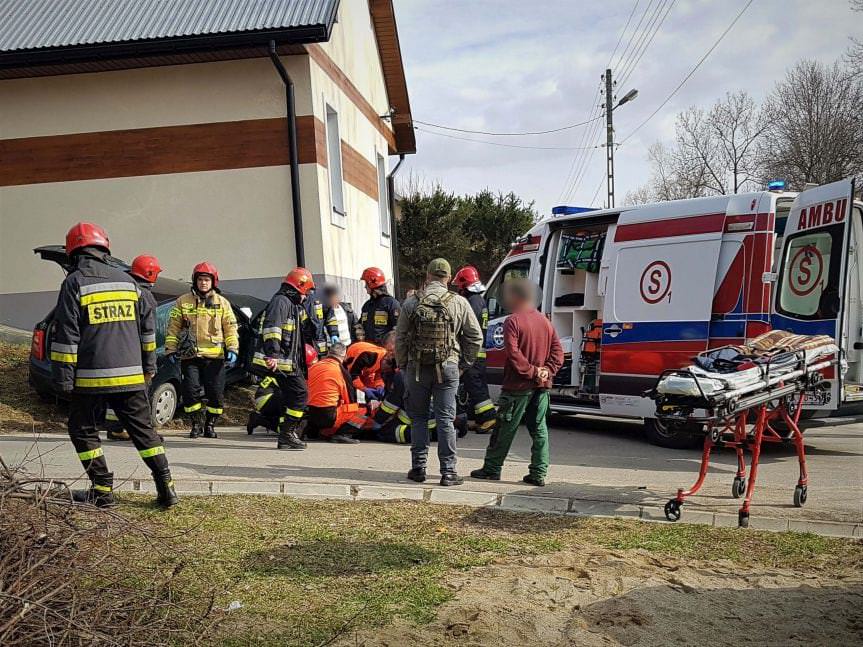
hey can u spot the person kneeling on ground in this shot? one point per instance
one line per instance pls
(533, 357)
(333, 412)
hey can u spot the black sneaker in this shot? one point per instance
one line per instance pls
(482, 474)
(530, 479)
(451, 479)
(343, 439)
(417, 474)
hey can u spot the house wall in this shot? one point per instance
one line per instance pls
(189, 162)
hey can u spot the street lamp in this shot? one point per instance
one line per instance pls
(629, 96)
(609, 142)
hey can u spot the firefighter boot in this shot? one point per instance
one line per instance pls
(100, 493)
(210, 426)
(197, 424)
(288, 436)
(255, 420)
(166, 496)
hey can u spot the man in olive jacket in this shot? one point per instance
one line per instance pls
(433, 356)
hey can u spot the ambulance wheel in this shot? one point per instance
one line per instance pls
(671, 435)
(738, 488)
(163, 402)
(672, 510)
(799, 496)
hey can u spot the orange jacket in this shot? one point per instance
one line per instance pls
(326, 384)
(368, 377)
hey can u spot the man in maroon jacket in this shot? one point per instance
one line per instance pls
(533, 357)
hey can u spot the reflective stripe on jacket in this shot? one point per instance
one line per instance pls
(210, 321)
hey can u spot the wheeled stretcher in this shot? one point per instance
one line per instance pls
(741, 409)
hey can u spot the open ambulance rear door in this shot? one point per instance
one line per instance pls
(811, 296)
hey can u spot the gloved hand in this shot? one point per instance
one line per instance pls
(172, 358)
(373, 394)
(231, 361)
(335, 339)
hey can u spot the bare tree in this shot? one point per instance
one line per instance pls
(814, 131)
(854, 55)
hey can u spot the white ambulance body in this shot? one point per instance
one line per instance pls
(636, 290)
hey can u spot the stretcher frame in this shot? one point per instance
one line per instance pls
(744, 418)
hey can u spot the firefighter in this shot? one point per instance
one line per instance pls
(323, 320)
(104, 352)
(145, 270)
(269, 409)
(211, 344)
(480, 407)
(381, 312)
(334, 413)
(279, 352)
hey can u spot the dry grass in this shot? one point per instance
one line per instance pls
(21, 409)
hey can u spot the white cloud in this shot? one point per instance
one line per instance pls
(507, 65)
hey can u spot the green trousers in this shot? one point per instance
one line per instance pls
(513, 408)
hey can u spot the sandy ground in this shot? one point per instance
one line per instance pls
(607, 598)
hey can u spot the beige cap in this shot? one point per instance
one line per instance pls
(439, 267)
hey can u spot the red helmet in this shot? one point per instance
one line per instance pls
(301, 279)
(373, 278)
(146, 267)
(86, 234)
(206, 268)
(311, 355)
(465, 277)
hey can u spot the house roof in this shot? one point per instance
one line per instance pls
(28, 25)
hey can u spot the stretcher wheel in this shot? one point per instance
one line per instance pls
(743, 519)
(672, 510)
(799, 496)
(738, 488)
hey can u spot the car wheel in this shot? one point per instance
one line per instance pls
(673, 436)
(163, 402)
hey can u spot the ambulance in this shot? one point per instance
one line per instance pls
(633, 291)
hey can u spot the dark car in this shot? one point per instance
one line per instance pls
(165, 387)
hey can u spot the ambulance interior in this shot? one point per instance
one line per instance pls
(575, 301)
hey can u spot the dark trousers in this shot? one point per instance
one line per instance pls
(432, 388)
(133, 411)
(478, 406)
(295, 394)
(203, 377)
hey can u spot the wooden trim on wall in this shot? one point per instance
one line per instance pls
(328, 65)
(175, 149)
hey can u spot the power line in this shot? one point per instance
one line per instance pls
(623, 32)
(596, 193)
(485, 132)
(480, 141)
(642, 37)
(626, 51)
(627, 73)
(691, 72)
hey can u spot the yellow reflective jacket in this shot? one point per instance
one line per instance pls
(210, 321)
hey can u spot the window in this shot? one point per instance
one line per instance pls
(810, 279)
(383, 201)
(334, 155)
(494, 293)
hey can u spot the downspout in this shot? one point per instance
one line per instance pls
(294, 158)
(394, 236)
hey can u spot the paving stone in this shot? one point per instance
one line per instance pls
(127, 485)
(723, 520)
(454, 496)
(182, 487)
(603, 509)
(688, 515)
(317, 490)
(534, 503)
(380, 492)
(827, 528)
(246, 487)
(858, 530)
(768, 523)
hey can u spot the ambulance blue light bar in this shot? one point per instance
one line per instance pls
(776, 185)
(564, 210)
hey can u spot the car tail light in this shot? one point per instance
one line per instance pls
(37, 345)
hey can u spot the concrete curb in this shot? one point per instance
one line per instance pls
(510, 502)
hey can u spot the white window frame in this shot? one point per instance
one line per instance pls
(338, 211)
(384, 216)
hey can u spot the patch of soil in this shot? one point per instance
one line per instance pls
(599, 597)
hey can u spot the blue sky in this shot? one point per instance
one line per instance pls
(510, 65)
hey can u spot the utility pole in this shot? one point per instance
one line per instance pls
(609, 139)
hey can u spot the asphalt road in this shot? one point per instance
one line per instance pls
(605, 460)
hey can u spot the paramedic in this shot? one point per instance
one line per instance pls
(213, 344)
(481, 409)
(381, 312)
(333, 410)
(364, 361)
(436, 338)
(103, 353)
(533, 357)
